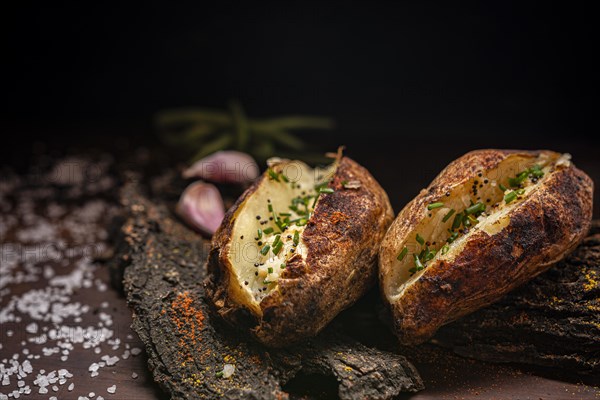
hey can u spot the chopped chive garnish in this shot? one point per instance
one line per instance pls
(520, 191)
(433, 206)
(420, 239)
(219, 374)
(510, 197)
(402, 254)
(277, 248)
(445, 248)
(344, 182)
(270, 207)
(475, 208)
(502, 187)
(285, 178)
(432, 253)
(321, 185)
(260, 232)
(465, 221)
(273, 175)
(457, 221)
(315, 201)
(266, 282)
(282, 266)
(536, 171)
(277, 239)
(514, 182)
(268, 231)
(296, 238)
(427, 254)
(284, 214)
(418, 263)
(447, 216)
(452, 237)
(265, 250)
(280, 225)
(270, 270)
(326, 190)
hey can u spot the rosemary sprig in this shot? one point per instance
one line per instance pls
(204, 131)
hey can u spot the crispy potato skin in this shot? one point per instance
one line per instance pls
(342, 240)
(545, 227)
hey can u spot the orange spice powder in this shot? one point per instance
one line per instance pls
(189, 321)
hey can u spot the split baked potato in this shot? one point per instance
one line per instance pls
(299, 246)
(490, 221)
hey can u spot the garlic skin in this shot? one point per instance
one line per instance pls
(201, 207)
(224, 167)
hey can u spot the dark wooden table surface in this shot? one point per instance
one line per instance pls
(58, 311)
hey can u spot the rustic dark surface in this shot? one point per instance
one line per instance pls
(446, 375)
(552, 321)
(187, 347)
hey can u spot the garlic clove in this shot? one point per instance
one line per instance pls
(201, 207)
(224, 167)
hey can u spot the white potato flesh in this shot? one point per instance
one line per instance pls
(255, 274)
(435, 231)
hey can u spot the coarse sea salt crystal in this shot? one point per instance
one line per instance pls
(112, 389)
(53, 304)
(32, 328)
(135, 351)
(228, 370)
(110, 361)
(134, 375)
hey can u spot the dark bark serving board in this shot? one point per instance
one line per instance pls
(188, 348)
(552, 321)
